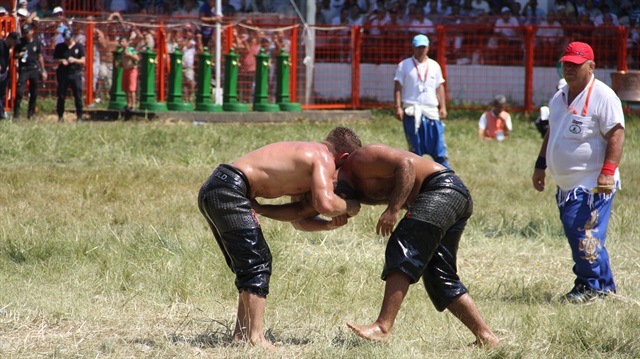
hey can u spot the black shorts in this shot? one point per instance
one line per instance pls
(425, 242)
(224, 202)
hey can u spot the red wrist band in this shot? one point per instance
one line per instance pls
(608, 168)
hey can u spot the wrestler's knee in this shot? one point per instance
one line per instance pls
(410, 248)
(251, 259)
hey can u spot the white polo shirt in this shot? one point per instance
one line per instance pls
(419, 84)
(577, 144)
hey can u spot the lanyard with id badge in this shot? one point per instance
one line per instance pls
(580, 124)
(422, 81)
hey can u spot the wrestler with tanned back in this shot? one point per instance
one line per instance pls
(227, 201)
(425, 242)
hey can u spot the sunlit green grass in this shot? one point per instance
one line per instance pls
(103, 252)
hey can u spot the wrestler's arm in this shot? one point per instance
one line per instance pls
(299, 209)
(317, 223)
(404, 174)
(322, 197)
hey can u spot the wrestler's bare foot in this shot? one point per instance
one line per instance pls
(238, 338)
(488, 343)
(263, 343)
(373, 332)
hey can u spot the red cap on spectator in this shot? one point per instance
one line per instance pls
(577, 53)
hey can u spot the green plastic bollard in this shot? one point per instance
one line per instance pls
(230, 93)
(174, 102)
(148, 100)
(203, 90)
(283, 66)
(117, 97)
(261, 91)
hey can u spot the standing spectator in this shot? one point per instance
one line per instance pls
(30, 67)
(495, 124)
(107, 46)
(420, 102)
(248, 51)
(130, 60)
(70, 58)
(5, 48)
(583, 147)
(62, 23)
(209, 16)
(188, 67)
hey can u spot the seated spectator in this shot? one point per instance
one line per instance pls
(584, 28)
(480, 7)
(342, 18)
(376, 20)
(506, 25)
(326, 13)
(599, 20)
(434, 13)
(396, 26)
(355, 15)
(516, 8)
(123, 6)
(43, 10)
(606, 29)
(550, 31)
(567, 7)
(533, 14)
(420, 24)
(625, 13)
(589, 8)
(259, 7)
(188, 9)
(495, 124)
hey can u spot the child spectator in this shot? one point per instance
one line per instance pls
(130, 60)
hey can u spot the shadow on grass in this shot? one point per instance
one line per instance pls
(222, 337)
(526, 294)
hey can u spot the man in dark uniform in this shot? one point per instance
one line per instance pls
(70, 58)
(5, 49)
(30, 67)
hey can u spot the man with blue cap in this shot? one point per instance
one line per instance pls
(419, 100)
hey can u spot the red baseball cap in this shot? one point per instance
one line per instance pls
(577, 53)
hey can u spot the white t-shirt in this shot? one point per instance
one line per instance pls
(508, 31)
(417, 26)
(420, 91)
(577, 146)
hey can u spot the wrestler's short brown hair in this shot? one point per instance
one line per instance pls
(344, 140)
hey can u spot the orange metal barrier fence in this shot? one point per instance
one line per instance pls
(353, 66)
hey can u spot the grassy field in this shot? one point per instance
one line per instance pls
(103, 252)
